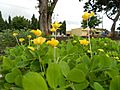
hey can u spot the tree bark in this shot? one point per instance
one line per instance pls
(43, 5)
(45, 14)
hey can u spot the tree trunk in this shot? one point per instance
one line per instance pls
(45, 15)
(114, 23)
(49, 21)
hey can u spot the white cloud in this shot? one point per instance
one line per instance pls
(20, 8)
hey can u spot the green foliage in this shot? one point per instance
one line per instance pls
(72, 69)
(92, 23)
(53, 75)
(63, 28)
(97, 86)
(34, 23)
(19, 22)
(115, 83)
(34, 81)
(2, 23)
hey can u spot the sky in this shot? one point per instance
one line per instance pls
(69, 10)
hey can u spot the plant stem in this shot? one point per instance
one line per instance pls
(89, 38)
(54, 54)
(17, 40)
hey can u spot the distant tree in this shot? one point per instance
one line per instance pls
(1, 22)
(19, 22)
(9, 22)
(6, 25)
(63, 28)
(92, 23)
(34, 22)
(46, 8)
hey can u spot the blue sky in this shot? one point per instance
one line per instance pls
(69, 10)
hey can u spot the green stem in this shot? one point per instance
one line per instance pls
(54, 54)
(29, 42)
(89, 38)
(17, 40)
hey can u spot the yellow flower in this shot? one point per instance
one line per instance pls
(21, 39)
(53, 42)
(52, 29)
(86, 16)
(84, 42)
(37, 32)
(29, 36)
(101, 50)
(31, 48)
(56, 25)
(15, 34)
(39, 40)
(92, 13)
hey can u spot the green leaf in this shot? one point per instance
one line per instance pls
(97, 86)
(10, 78)
(113, 72)
(22, 64)
(53, 75)
(35, 65)
(81, 86)
(7, 64)
(18, 80)
(69, 45)
(85, 59)
(82, 67)
(64, 68)
(76, 75)
(34, 81)
(115, 83)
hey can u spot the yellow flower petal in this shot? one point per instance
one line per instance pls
(29, 36)
(52, 29)
(39, 40)
(31, 48)
(56, 25)
(86, 16)
(21, 39)
(92, 13)
(15, 34)
(53, 42)
(37, 32)
(84, 42)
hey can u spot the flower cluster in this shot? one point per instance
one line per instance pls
(39, 40)
(53, 42)
(87, 15)
(37, 32)
(84, 42)
(55, 26)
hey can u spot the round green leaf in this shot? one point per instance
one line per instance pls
(10, 78)
(64, 68)
(34, 81)
(97, 86)
(76, 75)
(53, 75)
